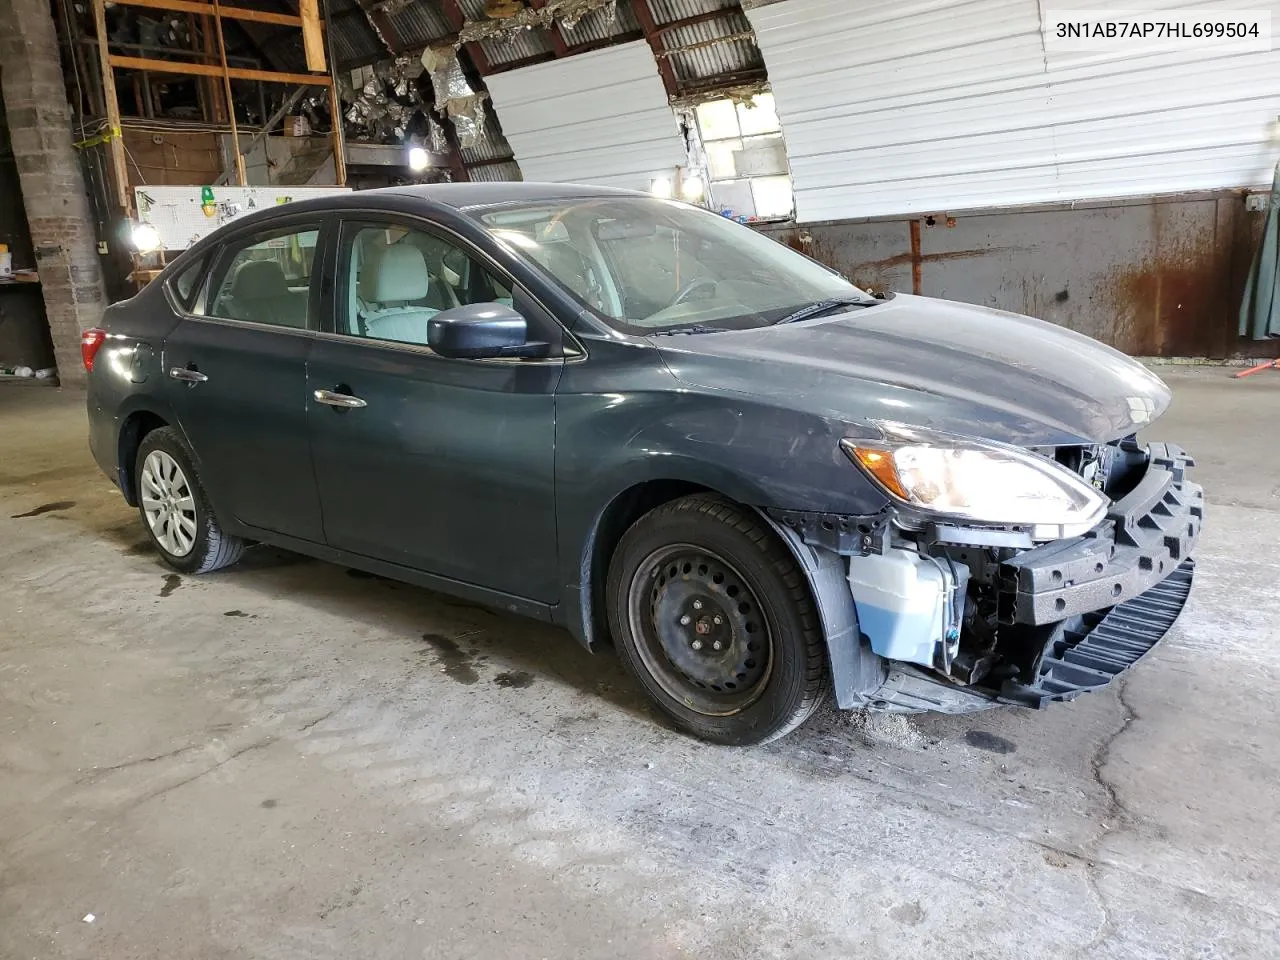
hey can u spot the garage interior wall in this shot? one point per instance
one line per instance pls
(599, 118)
(933, 105)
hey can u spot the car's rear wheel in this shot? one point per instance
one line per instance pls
(175, 509)
(714, 618)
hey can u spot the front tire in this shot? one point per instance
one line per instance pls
(711, 614)
(175, 509)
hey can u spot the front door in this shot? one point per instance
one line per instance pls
(445, 465)
(237, 379)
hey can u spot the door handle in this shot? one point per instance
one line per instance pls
(343, 400)
(187, 375)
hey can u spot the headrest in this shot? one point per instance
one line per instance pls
(395, 274)
(258, 279)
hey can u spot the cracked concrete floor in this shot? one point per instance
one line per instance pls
(285, 760)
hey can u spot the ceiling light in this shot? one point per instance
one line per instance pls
(661, 187)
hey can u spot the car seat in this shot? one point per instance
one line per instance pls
(390, 280)
(260, 293)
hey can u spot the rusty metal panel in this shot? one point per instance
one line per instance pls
(599, 25)
(418, 25)
(915, 107)
(1151, 278)
(696, 57)
(665, 11)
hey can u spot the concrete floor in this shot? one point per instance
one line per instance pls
(288, 760)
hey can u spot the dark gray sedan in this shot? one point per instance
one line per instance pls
(645, 422)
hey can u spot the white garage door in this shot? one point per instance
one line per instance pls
(934, 105)
(598, 118)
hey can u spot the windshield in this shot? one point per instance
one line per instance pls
(651, 266)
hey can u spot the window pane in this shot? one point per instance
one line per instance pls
(645, 265)
(398, 278)
(717, 120)
(762, 157)
(186, 284)
(722, 159)
(268, 280)
(734, 199)
(773, 196)
(759, 116)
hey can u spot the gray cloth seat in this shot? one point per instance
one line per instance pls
(260, 293)
(390, 280)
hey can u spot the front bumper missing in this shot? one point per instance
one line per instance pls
(1147, 536)
(1086, 653)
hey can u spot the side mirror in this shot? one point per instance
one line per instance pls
(481, 330)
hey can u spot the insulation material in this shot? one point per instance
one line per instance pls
(916, 107)
(387, 101)
(599, 118)
(453, 94)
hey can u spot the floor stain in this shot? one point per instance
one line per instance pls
(989, 741)
(140, 549)
(456, 662)
(234, 613)
(269, 803)
(518, 679)
(45, 508)
(171, 583)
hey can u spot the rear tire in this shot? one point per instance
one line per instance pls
(713, 617)
(175, 509)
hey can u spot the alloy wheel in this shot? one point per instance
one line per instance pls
(168, 504)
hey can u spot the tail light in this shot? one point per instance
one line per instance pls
(91, 342)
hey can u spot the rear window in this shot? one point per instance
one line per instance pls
(185, 285)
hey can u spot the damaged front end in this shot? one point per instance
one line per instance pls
(953, 614)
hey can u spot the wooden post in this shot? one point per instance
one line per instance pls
(214, 89)
(241, 176)
(335, 113)
(312, 35)
(113, 133)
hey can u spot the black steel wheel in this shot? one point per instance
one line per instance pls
(714, 618)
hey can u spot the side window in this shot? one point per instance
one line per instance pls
(266, 279)
(399, 277)
(185, 286)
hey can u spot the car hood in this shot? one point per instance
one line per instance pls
(948, 366)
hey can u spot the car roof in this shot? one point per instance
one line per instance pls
(464, 195)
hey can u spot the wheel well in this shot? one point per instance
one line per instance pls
(136, 426)
(624, 510)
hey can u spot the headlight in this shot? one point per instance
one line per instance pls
(979, 481)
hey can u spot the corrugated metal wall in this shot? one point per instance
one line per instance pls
(599, 117)
(932, 105)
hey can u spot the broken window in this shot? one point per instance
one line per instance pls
(746, 158)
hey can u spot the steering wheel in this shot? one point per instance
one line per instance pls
(690, 288)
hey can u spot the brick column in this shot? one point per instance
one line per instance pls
(53, 189)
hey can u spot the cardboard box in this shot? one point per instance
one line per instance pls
(297, 126)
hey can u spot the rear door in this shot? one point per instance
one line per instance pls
(446, 465)
(236, 374)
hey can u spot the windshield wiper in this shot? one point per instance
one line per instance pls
(822, 306)
(690, 329)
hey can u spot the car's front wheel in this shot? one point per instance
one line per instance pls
(712, 615)
(175, 508)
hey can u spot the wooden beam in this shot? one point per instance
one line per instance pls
(336, 131)
(115, 145)
(235, 13)
(457, 19)
(553, 32)
(312, 35)
(644, 16)
(211, 70)
(231, 102)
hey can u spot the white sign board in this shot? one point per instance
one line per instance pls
(182, 215)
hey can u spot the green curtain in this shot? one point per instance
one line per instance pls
(1260, 309)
